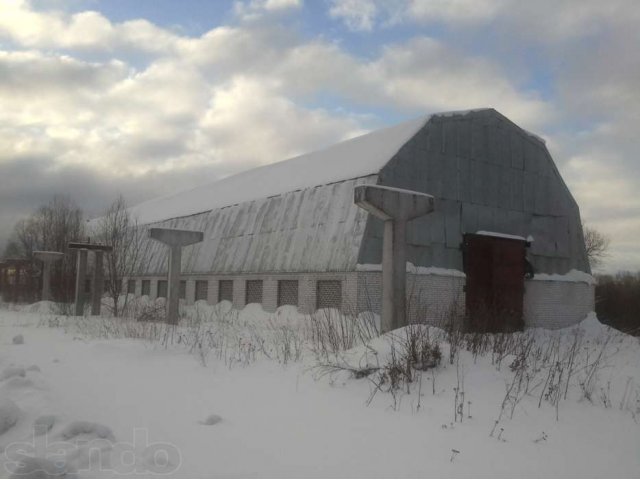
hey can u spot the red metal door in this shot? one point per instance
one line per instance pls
(495, 282)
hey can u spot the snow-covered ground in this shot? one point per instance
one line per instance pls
(244, 396)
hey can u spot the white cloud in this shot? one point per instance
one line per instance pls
(84, 30)
(282, 4)
(251, 93)
(453, 11)
(250, 10)
(359, 15)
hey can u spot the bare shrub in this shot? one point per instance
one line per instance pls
(287, 342)
(332, 332)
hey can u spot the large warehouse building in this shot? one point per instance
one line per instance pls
(290, 234)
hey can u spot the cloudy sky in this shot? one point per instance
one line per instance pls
(149, 97)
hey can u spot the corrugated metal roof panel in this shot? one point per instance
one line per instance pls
(315, 229)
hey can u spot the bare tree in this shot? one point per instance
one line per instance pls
(597, 245)
(118, 229)
(51, 227)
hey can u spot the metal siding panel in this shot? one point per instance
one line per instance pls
(478, 141)
(504, 187)
(542, 195)
(450, 184)
(469, 223)
(563, 236)
(449, 132)
(452, 223)
(517, 150)
(436, 174)
(493, 145)
(528, 193)
(437, 223)
(492, 177)
(485, 218)
(434, 139)
(464, 179)
(516, 180)
(505, 145)
(463, 128)
(477, 185)
(543, 231)
(418, 231)
(531, 156)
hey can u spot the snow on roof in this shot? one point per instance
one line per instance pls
(500, 235)
(357, 157)
(402, 190)
(411, 268)
(572, 276)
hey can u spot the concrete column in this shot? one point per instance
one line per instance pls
(173, 285)
(212, 292)
(47, 258)
(239, 292)
(175, 240)
(81, 275)
(190, 292)
(395, 207)
(394, 282)
(98, 283)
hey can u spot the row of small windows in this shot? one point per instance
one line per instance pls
(328, 292)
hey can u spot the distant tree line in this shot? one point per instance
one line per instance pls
(618, 301)
(51, 227)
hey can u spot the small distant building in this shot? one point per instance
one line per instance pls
(506, 231)
(18, 280)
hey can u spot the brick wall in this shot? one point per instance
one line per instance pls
(429, 297)
(307, 284)
(547, 303)
(554, 304)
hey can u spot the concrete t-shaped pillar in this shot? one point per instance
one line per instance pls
(98, 283)
(47, 259)
(395, 207)
(81, 275)
(175, 240)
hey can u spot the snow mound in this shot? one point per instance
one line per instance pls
(34, 467)
(379, 350)
(11, 372)
(84, 428)
(19, 383)
(43, 424)
(211, 420)
(44, 306)
(415, 269)
(18, 339)
(9, 414)
(253, 314)
(572, 276)
(592, 327)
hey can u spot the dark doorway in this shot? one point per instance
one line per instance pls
(495, 269)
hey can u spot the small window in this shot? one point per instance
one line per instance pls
(87, 286)
(287, 292)
(183, 289)
(329, 294)
(146, 287)
(162, 289)
(202, 289)
(131, 286)
(225, 290)
(254, 292)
